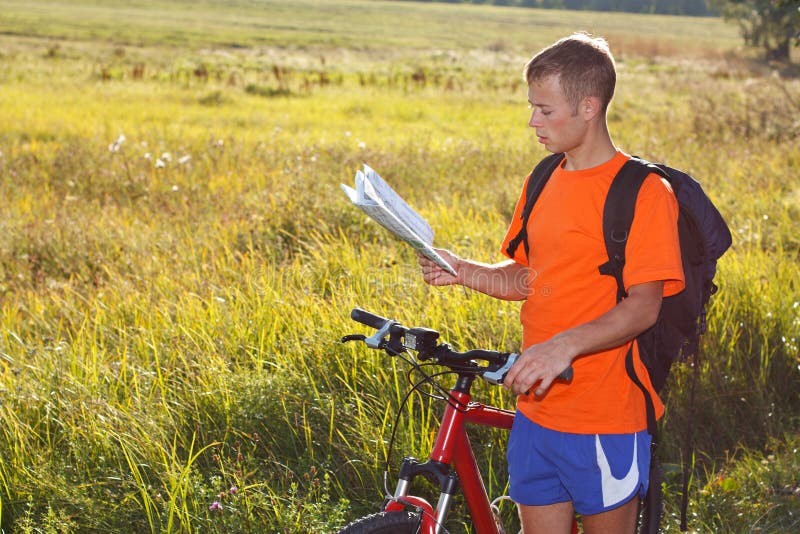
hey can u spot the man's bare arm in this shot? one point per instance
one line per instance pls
(545, 361)
(506, 280)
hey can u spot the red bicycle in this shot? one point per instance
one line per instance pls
(451, 463)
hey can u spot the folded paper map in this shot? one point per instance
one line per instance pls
(375, 198)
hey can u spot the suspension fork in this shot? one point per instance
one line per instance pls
(432, 519)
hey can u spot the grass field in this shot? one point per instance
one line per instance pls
(177, 261)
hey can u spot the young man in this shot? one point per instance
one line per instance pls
(580, 446)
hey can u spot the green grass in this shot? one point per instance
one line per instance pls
(390, 27)
(170, 309)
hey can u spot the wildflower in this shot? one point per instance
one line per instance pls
(362, 144)
(215, 507)
(160, 164)
(148, 156)
(234, 490)
(115, 146)
(166, 156)
(185, 159)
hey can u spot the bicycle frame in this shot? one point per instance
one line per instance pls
(451, 462)
(452, 448)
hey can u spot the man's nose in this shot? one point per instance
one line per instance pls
(535, 120)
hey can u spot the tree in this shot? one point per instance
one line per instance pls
(773, 25)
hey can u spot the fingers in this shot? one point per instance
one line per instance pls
(542, 388)
(521, 382)
(520, 377)
(423, 261)
(439, 278)
(534, 368)
(433, 274)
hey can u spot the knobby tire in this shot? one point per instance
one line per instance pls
(385, 523)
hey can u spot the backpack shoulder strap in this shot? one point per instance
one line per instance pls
(539, 177)
(618, 216)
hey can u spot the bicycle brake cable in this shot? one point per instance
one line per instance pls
(427, 379)
(446, 397)
(414, 387)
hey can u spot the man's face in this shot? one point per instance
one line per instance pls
(557, 125)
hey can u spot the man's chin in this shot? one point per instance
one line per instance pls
(548, 144)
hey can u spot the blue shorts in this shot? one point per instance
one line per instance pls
(597, 472)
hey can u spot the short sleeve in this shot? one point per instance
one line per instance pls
(653, 250)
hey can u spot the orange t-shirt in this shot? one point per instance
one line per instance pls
(565, 289)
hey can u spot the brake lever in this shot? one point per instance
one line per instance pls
(497, 376)
(376, 341)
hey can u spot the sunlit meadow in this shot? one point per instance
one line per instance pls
(177, 262)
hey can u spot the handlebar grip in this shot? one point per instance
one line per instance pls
(566, 376)
(366, 318)
(498, 376)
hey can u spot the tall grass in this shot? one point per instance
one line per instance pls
(170, 303)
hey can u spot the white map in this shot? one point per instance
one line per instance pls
(378, 200)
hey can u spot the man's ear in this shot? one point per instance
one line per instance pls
(589, 107)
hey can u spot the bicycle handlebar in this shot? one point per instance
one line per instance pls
(423, 341)
(367, 318)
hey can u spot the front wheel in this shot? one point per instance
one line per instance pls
(385, 523)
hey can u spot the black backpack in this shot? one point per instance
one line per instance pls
(704, 237)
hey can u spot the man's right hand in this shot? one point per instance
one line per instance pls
(506, 280)
(435, 275)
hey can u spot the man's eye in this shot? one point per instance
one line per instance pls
(532, 108)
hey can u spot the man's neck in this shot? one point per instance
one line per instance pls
(596, 149)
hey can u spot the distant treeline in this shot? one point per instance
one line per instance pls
(666, 7)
